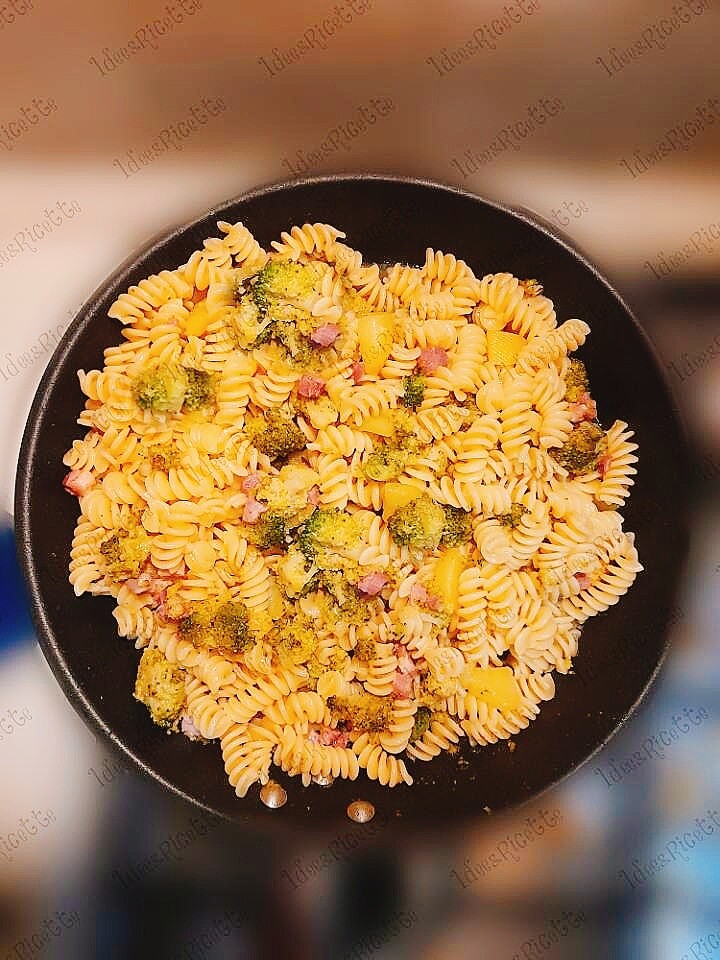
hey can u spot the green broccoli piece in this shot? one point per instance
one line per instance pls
(276, 435)
(248, 325)
(513, 518)
(296, 573)
(282, 279)
(582, 449)
(163, 456)
(217, 625)
(351, 604)
(200, 389)
(362, 712)
(457, 527)
(271, 530)
(160, 685)
(419, 524)
(314, 583)
(405, 426)
(326, 531)
(124, 554)
(366, 648)
(414, 391)
(160, 388)
(422, 722)
(296, 344)
(385, 463)
(168, 388)
(315, 670)
(576, 381)
(294, 639)
(267, 308)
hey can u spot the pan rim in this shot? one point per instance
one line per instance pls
(49, 642)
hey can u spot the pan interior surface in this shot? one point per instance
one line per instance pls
(388, 220)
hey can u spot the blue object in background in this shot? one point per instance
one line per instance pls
(15, 624)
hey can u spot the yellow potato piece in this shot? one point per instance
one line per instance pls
(446, 579)
(375, 333)
(504, 348)
(396, 495)
(495, 686)
(381, 424)
(197, 323)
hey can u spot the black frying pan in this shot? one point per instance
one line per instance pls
(388, 219)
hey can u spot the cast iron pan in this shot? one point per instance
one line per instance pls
(388, 219)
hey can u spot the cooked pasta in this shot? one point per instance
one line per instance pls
(350, 513)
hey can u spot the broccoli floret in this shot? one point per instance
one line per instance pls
(296, 344)
(314, 583)
(457, 527)
(296, 573)
(385, 463)
(576, 381)
(214, 624)
(414, 391)
(168, 388)
(422, 722)
(513, 518)
(582, 449)
(320, 412)
(248, 324)
(315, 670)
(327, 531)
(282, 279)
(160, 685)
(362, 712)
(200, 389)
(125, 553)
(287, 492)
(366, 648)
(276, 435)
(163, 456)
(268, 307)
(405, 425)
(419, 524)
(271, 530)
(352, 606)
(294, 640)
(263, 310)
(160, 388)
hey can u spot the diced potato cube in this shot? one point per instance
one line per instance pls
(504, 348)
(446, 578)
(396, 495)
(197, 323)
(381, 424)
(495, 686)
(375, 333)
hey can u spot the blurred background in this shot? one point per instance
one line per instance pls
(119, 122)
